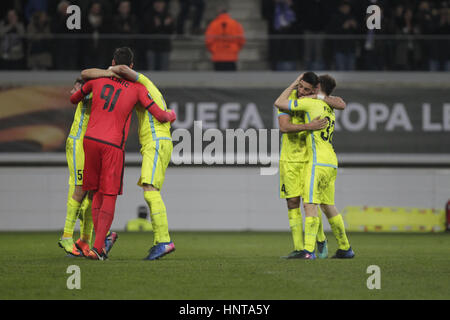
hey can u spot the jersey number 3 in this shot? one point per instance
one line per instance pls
(329, 136)
(107, 97)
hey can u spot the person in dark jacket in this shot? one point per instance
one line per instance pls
(160, 25)
(96, 48)
(125, 23)
(344, 23)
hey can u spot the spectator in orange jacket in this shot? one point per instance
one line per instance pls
(224, 39)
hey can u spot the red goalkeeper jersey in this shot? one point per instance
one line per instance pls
(113, 100)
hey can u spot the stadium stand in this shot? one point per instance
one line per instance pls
(414, 34)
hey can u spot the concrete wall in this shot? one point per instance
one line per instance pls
(211, 198)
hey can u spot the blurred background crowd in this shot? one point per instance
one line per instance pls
(309, 34)
(106, 24)
(413, 35)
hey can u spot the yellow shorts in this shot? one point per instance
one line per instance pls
(75, 160)
(319, 184)
(291, 179)
(155, 159)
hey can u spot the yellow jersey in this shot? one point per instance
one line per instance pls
(150, 129)
(293, 145)
(81, 118)
(319, 142)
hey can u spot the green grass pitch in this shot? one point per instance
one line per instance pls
(226, 266)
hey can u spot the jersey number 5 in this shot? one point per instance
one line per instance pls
(107, 97)
(80, 174)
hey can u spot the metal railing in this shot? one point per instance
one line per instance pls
(378, 52)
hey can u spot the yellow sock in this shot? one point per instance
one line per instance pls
(71, 217)
(154, 226)
(296, 225)
(158, 216)
(338, 228)
(86, 225)
(311, 227)
(320, 234)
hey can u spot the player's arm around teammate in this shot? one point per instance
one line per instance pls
(156, 150)
(333, 101)
(293, 157)
(286, 126)
(283, 101)
(118, 71)
(321, 174)
(94, 73)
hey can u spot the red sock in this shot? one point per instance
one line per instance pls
(96, 205)
(105, 219)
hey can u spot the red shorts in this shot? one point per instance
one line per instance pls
(103, 167)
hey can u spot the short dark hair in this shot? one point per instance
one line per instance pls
(311, 78)
(79, 80)
(124, 56)
(327, 84)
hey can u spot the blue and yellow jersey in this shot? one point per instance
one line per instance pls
(319, 142)
(293, 145)
(151, 129)
(81, 118)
